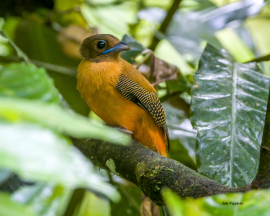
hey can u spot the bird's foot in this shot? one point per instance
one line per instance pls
(122, 129)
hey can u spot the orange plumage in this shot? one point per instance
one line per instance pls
(98, 76)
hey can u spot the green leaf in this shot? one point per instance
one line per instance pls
(169, 53)
(130, 201)
(38, 154)
(258, 28)
(20, 53)
(44, 199)
(120, 16)
(251, 203)
(56, 118)
(234, 44)
(41, 43)
(27, 81)
(11, 208)
(136, 49)
(182, 135)
(93, 205)
(66, 5)
(180, 85)
(229, 102)
(173, 202)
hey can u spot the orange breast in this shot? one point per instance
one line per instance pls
(96, 83)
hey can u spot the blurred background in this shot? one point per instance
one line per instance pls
(47, 33)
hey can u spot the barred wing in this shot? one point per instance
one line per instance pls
(145, 99)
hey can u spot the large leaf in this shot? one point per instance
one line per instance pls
(57, 119)
(40, 43)
(27, 81)
(38, 154)
(251, 203)
(229, 102)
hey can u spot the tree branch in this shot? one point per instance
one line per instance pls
(164, 25)
(150, 171)
(262, 179)
(266, 130)
(56, 68)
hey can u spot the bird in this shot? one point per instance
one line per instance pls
(119, 94)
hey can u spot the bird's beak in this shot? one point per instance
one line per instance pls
(121, 46)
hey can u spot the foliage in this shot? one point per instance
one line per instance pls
(229, 102)
(41, 110)
(9, 207)
(19, 80)
(223, 204)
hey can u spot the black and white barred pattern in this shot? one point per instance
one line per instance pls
(145, 99)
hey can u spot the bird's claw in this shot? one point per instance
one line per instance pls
(124, 130)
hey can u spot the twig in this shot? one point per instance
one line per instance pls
(147, 53)
(266, 131)
(56, 68)
(163, 27)
(260, 59)
(47, 66)
(74, 201)
(20, 53)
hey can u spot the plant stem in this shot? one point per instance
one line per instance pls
(74, 201)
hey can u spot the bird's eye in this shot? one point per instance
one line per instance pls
(101, 44)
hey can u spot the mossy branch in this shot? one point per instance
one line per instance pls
(262, 179)
(150, 171)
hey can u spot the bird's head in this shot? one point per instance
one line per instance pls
(102, 47)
